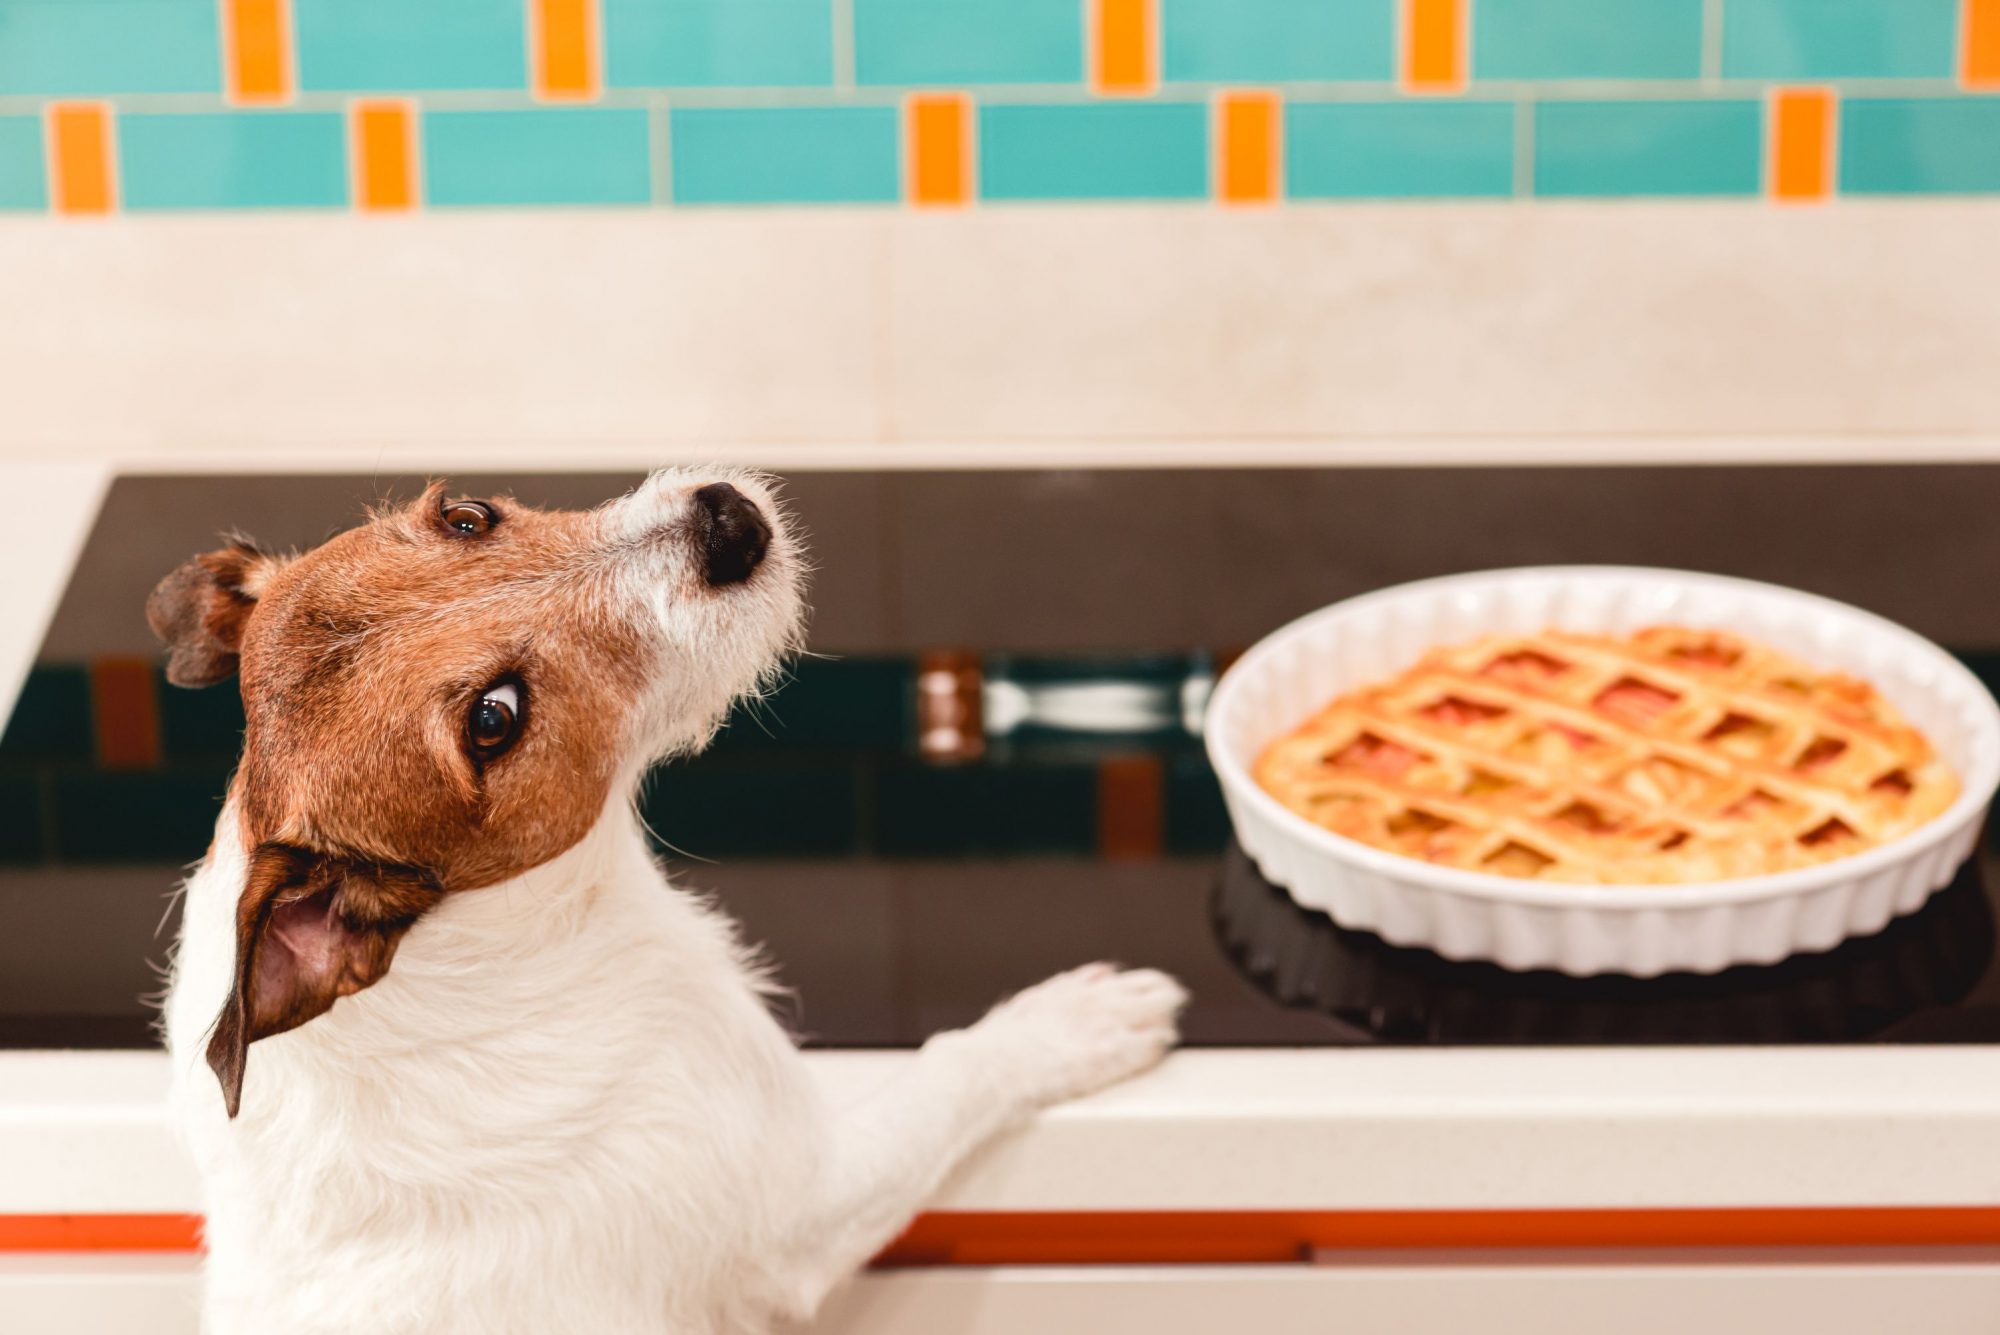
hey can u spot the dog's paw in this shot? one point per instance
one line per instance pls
(1080, 1031)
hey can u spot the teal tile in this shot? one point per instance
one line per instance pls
(52, 719)
(1899, 146)
(1197, 821)
(1839, 39)
(579, 155)
(23, 184)
(718, 43)
(929, 42)
(232, 159)
(20, 820)
(1125, 150)
(1648, 148)
(204, 724)
(985, 810)
(714, 808)
(1360, 150)
(1586, 39)
(1269, 41)
(101, 47)
(853, 704)
(167, 816)
(785, 155)
(397, 45)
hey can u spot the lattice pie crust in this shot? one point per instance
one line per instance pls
(1670, 755)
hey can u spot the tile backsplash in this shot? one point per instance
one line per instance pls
(145, 105)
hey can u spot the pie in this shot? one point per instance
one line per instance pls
(1664, 756)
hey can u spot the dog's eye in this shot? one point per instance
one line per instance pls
(494, 721)
(471, 518)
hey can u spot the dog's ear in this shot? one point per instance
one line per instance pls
(198, 611)
(310, 929)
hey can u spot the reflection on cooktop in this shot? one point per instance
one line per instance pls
(1929, 977)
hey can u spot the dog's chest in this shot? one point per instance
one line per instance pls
(623, 1129)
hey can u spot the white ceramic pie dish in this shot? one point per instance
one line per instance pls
(1641, 930)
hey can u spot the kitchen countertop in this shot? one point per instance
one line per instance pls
(1667, 1128)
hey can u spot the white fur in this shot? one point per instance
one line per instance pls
(566, 1107)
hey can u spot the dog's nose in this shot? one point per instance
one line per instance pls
(733, 535)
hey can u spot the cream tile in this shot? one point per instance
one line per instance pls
(1395, 321)
(554, 338)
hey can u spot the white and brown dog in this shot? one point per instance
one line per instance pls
(506, 1077)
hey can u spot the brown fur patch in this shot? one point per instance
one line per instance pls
(358, 792)
(365, 656)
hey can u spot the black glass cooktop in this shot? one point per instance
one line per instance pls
(880, 954)
(1929, 977)
(991, 769)
(1265, 971)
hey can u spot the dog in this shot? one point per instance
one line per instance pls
(449, 1050)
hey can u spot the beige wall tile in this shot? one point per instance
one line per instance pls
(1461, 320)
(401, 342)
(1050, 336)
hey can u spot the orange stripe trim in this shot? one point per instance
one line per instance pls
(1117, 1237)
(1801, 148)
(938, 132)
(1979, 48)
(1248, 136)
(125, 712)
(80, 157)
(100, 1233)
(565, 48)
(1124, 62)
(1254, 1236)
(257, 39)
(1433, 46)
(382, 137)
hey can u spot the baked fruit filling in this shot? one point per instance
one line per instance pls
(1665, 756)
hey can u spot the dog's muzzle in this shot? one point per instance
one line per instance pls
(732, 535)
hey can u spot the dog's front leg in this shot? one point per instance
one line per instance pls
(1067, 1036)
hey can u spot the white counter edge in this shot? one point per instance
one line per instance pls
(1282, 1130)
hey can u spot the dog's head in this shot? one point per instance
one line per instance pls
(449, 695)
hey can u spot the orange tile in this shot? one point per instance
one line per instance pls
(1433, 46)
(1979, 51)
(938, 131)
(1801, 144)
(382, 142)
(1247, 140)
(257, 36)
(125, 713)
(80, 157)
(1123, 41)
(1131, 807)
(566, 48)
